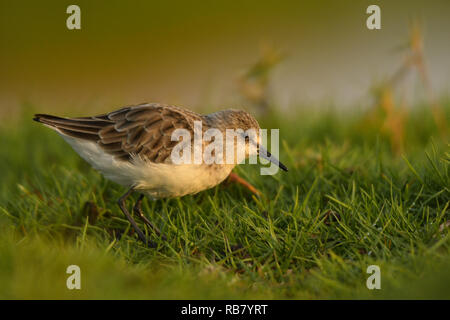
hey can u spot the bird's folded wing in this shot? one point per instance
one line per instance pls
(143, 130)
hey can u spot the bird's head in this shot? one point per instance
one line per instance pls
(247, 131)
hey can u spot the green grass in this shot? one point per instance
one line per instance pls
(346, 203)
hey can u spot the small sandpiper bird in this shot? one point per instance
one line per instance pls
(132, 146)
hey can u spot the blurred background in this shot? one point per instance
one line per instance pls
(217, 54)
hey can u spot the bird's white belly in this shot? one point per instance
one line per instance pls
(158, 180)
(169, 180)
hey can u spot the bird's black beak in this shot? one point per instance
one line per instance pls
(263, 153)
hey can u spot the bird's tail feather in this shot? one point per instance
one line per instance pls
(83, 128)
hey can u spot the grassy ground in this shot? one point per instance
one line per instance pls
(347, 202)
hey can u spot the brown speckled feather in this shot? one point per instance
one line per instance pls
(143, 130)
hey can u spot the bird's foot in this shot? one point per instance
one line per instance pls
(235, 178)
(138, 210)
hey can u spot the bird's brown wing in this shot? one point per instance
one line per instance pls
(143, 130)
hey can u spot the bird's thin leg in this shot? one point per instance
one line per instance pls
(138, 210)
(121, 203)
(233, 177)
